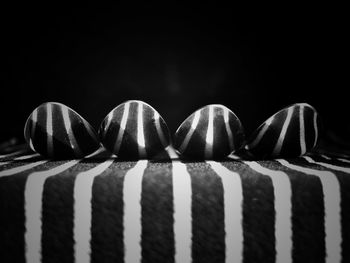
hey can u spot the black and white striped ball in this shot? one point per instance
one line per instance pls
(134, 130)
(291, 132)
(56, 131)
(212, 132)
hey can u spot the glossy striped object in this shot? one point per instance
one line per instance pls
(212, 132)
(56, 131)
(291, 132)
(134, 130)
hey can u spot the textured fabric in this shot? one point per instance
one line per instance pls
(262, 238)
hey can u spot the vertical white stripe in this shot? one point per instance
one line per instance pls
(49, 129)
(327, 165)
(32, 132)
(332, 200)
(283, 209)
(68, 126)
(278, 146)
(191, 131)
(31, 146)
(228, 128)
(21, 168)
(82, 211)
(315, 127)
(33, 207)
(302, 130)
(233, 199)
(209, 140)
(34, 119)
(109, 120)
(258, 138)
(121, 127)
(132, 212)
(159, 129)
(182, 194)
(140, 132)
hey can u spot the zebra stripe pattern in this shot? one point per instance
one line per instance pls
(134, 130)
(231, 211)
(291, 132)
(56, 131)
(212, 132)
(331, 191)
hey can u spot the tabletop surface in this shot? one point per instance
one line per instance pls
(101, 209)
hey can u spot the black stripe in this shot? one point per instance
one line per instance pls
(12, 219)
(196, 145)
(57, 214)
(291, 144)
(266, 145)
(107, 244)
(307, 214)
(10, 158)
(208, 225)
(61, 142)
(39, 138)
(165, 129)
(344, 181)
(129, 146)
(85, 141)
(309, 127)
(182, 131)
(237, 130)
(15, 163)
(332, 161)
(341, 162)
(109, 137)
(157, 214)
(258, 214)
(28, 128)
(221, 144)
(153, 142)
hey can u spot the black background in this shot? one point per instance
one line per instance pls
(176, 58)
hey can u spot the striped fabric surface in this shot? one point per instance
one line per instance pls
(101, 209)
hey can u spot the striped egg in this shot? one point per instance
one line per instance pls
(291, 132)
(56, 131)
(134, 130)
(211, 132)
